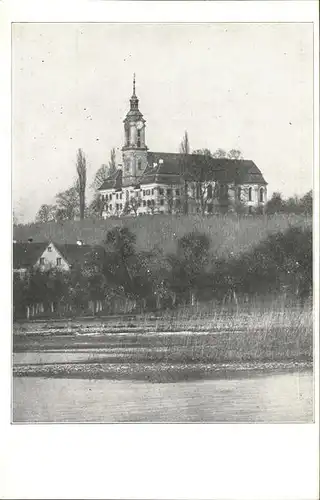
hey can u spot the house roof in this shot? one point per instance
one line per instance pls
(26, 254)
(112, 182)
(79, 254)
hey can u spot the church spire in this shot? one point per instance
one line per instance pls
(134, 101)
(134, 84)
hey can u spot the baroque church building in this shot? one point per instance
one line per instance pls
(153, 183)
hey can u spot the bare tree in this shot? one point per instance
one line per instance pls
(184, 151)
(46, 213)
(112, 163)
(82, 181)
(68, 203)
(235, 154)
(219, 153)
(132, 205)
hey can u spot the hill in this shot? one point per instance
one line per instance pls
(228, 234)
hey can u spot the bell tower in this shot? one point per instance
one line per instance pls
(134, 151)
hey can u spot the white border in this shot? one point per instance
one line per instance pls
(149, 461)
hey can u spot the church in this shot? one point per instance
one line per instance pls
(155, 183)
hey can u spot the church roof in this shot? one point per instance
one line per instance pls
(112, 182)
(166, 168)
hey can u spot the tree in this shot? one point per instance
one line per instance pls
(202, 174)
(105, 171)
(235, 154)
(112, 163)
(46, 213)
(132, 205)
(82, 181)
(219, 153)
(95, 208)
(306, 203)
(184, 152)
(188, 265)
(67, 204)
(275, 204)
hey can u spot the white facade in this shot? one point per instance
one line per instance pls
(51, 257)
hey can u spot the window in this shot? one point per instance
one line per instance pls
(261, 195)
(102, 197)
(139, 139)
(209, 191)
(139, 164)
(117, 196)
(120, 206)
(143, 192)
(250, 209)
(58, 261)
(148, 192)
(169, 192)
(152, 191)
(49, 249)
(178, 203)
(120, 196)
(144, 203)
(152, 203)
(41, 261)
(161, 201)
(177, 192)
(239, 193)
(161, 191)
(149, 203)
(250, 195)
(210, 207)
(110, 206)
(198, 192)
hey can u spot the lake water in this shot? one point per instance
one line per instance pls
(281, 397)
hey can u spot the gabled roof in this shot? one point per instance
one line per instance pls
(80, 254)
(26, 255)
(112, 182)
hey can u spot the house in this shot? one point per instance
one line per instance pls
(149, 182)
(45, 256)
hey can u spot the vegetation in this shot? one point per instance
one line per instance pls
(151, 280)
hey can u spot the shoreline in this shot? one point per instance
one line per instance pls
(160, 372)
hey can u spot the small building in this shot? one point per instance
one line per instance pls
(45, 256)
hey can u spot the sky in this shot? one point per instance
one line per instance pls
(244, 86)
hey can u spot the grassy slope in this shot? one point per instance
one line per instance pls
(228, 234)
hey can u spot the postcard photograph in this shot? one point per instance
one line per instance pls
(162, 186)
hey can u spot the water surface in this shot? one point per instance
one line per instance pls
(285, 397)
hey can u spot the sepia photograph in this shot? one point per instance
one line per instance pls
(162, 198)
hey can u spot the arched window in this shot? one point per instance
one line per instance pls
(139, 164)
(239, 193)
(139, 138)
(261, 195)
(250, 194)
(209, 191)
